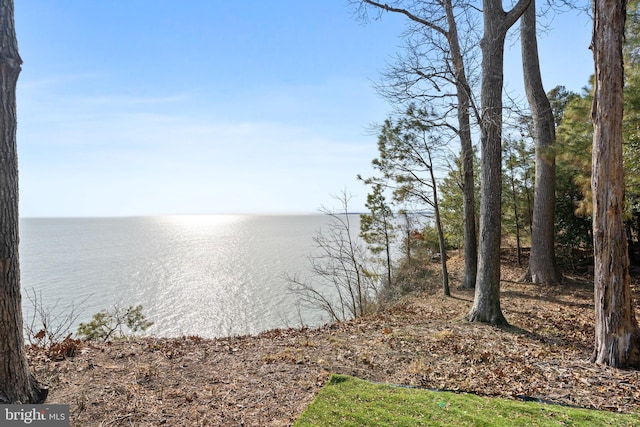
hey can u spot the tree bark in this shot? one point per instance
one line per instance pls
(17, 385)
(486, 305)
(617, 337)
(441, 244)
(387, 249)
(463, 93)
(516, 216)
(542, 262)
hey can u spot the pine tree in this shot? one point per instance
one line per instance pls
(377, 228)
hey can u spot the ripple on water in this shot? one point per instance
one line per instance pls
(207, 275)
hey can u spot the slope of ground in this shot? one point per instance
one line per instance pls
(270, 378)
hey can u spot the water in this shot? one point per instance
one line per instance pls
(211, 276)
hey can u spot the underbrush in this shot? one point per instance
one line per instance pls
(412, 275)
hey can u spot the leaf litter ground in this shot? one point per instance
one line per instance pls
(423, 340)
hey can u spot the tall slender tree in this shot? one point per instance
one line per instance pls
(486, 304)
(542, 260)
(441, 18)
(377, 227)
(518, 168)
(617, 336)
(17, 384)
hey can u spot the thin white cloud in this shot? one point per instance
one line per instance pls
(26, 83)
(154, 163)
(122, 154)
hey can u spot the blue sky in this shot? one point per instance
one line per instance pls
(147, 107)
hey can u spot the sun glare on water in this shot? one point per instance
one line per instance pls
(201, 222)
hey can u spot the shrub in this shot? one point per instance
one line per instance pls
(118, 323)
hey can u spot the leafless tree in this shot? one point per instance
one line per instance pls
(497, 21)
(340, 281)
(435, 72)
(542, 261)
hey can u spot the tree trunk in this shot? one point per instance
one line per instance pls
(443, 255)
(408, 236)
(617, 337)
(17, 385)
(486, 305)
(516, 217)
(387, 249)
(463, 92)
(441, 244)
(542, 261)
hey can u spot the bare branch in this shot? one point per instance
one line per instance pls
(409, 15)
(339, 282)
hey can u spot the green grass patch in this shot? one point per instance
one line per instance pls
(347, 401)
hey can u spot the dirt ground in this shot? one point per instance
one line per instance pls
(269, 379)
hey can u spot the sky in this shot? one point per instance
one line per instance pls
(158, 107)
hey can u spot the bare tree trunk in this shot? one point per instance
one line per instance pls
(542, 261)
(529, 207)
(617, 340)
(486, 304)
(408, 236)
(17, 385)
(516, 216)
(387, 249)
(463, 92)
(441, 244)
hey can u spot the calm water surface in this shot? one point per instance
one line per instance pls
(211, 276)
